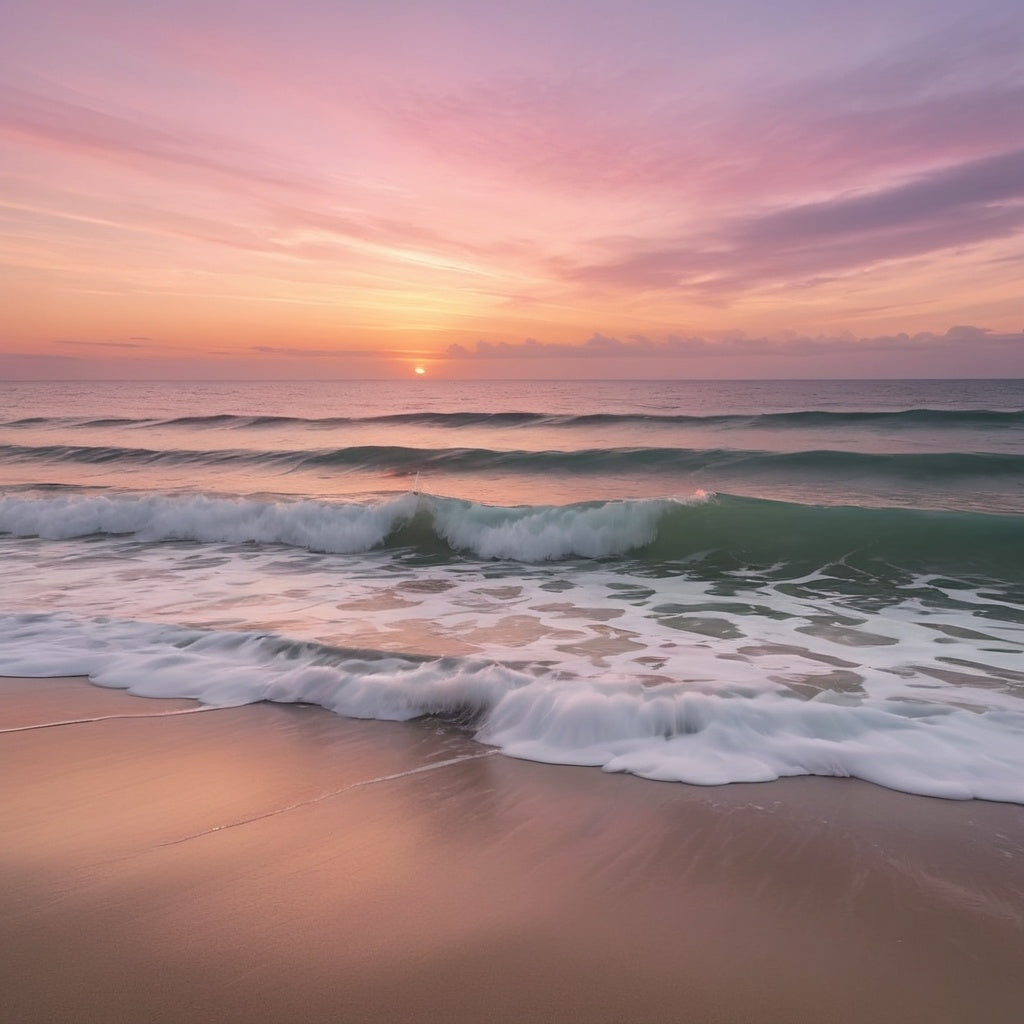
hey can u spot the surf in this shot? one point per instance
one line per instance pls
(666, 732)
(736, 530)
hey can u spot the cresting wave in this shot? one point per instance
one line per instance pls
(543, 533)
(931, 418)
(400, 459)
(664, 732)
(737, 531)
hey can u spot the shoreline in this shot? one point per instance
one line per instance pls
(277, 862)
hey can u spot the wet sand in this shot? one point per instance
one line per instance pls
(277, 863)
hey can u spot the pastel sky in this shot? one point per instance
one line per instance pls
(660, 188)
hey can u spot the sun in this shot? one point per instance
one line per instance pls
(419, 371)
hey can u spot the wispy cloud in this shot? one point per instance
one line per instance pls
(84, 127)
(319, 353)
(137, 343)
(960, 205)
(633, 126)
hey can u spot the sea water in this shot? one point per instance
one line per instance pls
(702, 582)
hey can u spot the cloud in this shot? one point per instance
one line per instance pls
(44, 356)
(321, 353)
(132, 343)
(965, 204)
(681, 347)
(643, 125)
(949, 193)
(81, 127)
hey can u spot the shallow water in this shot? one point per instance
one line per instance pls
(698, 581)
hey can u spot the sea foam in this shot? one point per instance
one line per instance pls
(529, 534)
(662, 732)
(752, 530)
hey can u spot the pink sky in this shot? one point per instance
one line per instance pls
(595, 189)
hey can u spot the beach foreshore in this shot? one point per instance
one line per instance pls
(278, 863)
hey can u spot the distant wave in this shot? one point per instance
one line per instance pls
(403, 460)
(807, 419)
(738, 531)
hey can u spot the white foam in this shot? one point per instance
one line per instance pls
(665, 731)
(314, 525)
(523, 534)
(708, 740)
(549, 533)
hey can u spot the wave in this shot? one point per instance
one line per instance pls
(400, 459)
(731, 531)
(666, 731)
(804, 419)
(530, 534)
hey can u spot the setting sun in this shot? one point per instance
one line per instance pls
(420, 370)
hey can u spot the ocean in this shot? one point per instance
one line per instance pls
(698, 582)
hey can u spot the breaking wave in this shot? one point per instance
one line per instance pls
(749, 530)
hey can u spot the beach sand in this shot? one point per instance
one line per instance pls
(278, 863)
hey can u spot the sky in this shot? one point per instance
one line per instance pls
(225, 189)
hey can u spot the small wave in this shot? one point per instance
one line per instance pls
(400, 459)
(797, 420)
(665, 732)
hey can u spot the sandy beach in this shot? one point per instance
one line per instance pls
(278, 863)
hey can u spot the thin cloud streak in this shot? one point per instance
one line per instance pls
(951, 192)
(79, 127)
(102, 344)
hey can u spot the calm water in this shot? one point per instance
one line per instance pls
(700, 581)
